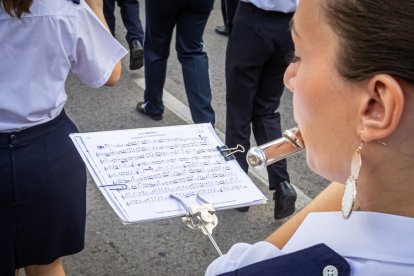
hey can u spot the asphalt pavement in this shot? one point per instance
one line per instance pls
(166, 247)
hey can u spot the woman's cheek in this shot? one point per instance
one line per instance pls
(300, 108)
(306, 118)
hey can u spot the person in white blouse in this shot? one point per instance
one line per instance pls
(352, 78)
(42, 177)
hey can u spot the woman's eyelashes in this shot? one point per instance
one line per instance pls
(292, 58)
(295, 59)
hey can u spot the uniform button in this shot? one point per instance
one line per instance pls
(13, 137)
(330, 270)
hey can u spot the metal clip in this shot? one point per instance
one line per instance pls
(228, 153)
(200, 217)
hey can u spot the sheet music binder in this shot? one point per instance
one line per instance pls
(137, 169)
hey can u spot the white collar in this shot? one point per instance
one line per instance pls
(367, 235)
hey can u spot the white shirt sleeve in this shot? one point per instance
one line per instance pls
(241, 255)
(96, 51)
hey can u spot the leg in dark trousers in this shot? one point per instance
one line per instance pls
(132, 23)
(135, 33)
(194, 61)
(190, 17)
(130, 17)
(224, 11)
(231, 6)
(228, 8)
(158, 32)
(108, 10)
(255, 64)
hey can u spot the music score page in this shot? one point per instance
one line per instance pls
(138, 169)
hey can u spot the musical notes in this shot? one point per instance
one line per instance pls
(151, 164)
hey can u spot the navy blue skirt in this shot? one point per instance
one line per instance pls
(42, 195)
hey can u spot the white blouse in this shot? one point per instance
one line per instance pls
(37, 52)
(285, 6)
(372, 243)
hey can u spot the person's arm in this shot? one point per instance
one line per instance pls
(97, 7)
(328, 200)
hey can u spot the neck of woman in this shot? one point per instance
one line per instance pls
(388, 190)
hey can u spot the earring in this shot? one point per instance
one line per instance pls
(348, 199)
(382, 143)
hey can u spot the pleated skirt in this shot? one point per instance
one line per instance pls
(42, 195)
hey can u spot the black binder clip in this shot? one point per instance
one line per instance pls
(228, 153)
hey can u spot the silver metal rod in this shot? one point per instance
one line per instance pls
(212, 240)
(182, 203)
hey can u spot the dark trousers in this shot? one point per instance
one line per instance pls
(228, 9)
(130, 17)
(255, 64)
(190, 18)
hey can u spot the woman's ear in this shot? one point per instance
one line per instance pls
(383, 108)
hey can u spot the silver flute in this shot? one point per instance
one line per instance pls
(290, 143)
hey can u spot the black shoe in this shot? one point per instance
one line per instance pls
(222, 30)
(136, 55)
(141, 108)
(243, 209)
(285, 198)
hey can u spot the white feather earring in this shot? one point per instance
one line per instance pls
(348, 199)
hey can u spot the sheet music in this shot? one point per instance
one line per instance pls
(138, 169)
